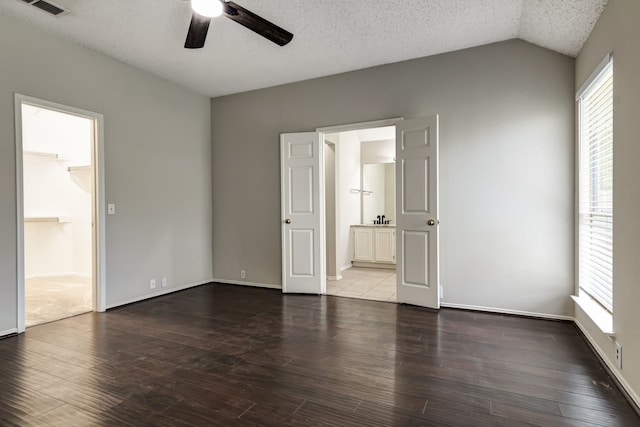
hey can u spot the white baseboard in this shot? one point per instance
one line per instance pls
(507, 311)
(627, 390)
(245, 283)
(8, 332)
(158, 293)
(338, 277)
(345, 267)
(41, 276)
(388, 266)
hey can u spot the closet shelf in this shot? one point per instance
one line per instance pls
(79, 168)
(357, 190)
(43, 154)
(81, 176)
(56, 219)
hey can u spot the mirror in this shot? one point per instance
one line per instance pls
(378, 195)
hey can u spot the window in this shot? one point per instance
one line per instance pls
(595, 187)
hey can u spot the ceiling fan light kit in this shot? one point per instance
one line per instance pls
(207, 8)
(204, 10)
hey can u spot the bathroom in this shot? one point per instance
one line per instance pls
(360, 190)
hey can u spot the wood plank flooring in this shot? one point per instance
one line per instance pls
(229, 355)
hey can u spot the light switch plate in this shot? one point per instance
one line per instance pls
(111, 209)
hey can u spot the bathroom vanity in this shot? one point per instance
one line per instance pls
(374, 246)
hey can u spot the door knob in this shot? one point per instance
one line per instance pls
(431, 222)
(287, 221)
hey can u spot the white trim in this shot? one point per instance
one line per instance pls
(345, 267)
(338, 277)
(323, 215)
(627, 390)
(98, 208)
(594, 75)
(598, 315)
(507, 311)
(361, 125)
(8, 332)
(158, 293)
(244, 283)
(20, 297)
(382, 265)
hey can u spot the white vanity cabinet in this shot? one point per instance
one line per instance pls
(374, 246)
(385, 245)
(363, 244)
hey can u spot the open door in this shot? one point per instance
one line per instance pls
(302, 196)
(417, 212)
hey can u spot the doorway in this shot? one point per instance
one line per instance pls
(360, 213)
(416, 239)
(59, 234)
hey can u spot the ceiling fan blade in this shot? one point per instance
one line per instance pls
(257, 24)
(197, 31)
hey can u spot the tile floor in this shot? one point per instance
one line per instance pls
(377, 284)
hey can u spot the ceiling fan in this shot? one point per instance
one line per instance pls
(204, 10)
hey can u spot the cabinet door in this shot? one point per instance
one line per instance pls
(385, 242)
(363, 244)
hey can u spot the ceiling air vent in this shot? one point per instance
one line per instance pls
(48, 7)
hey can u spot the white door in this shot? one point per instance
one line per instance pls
(417, 212)
(302, 198)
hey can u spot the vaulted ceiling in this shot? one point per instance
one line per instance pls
(330, 36)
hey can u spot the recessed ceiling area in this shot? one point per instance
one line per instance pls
(330, 36)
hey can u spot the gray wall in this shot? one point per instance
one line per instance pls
(618, 31)
(157, 157)
(506, 196)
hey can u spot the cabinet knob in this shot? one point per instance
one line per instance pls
(287, 221)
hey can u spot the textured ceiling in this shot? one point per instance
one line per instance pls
(330, 36)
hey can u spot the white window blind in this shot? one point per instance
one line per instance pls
(595, 211)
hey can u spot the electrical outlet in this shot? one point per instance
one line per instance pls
(164, 282)
(618, 355)
(243, 274)
(152, 284)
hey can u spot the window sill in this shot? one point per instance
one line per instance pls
(601, 317)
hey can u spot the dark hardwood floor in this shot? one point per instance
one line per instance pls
(228, 355)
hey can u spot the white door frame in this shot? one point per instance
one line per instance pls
(345, 128)
(98, 208)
